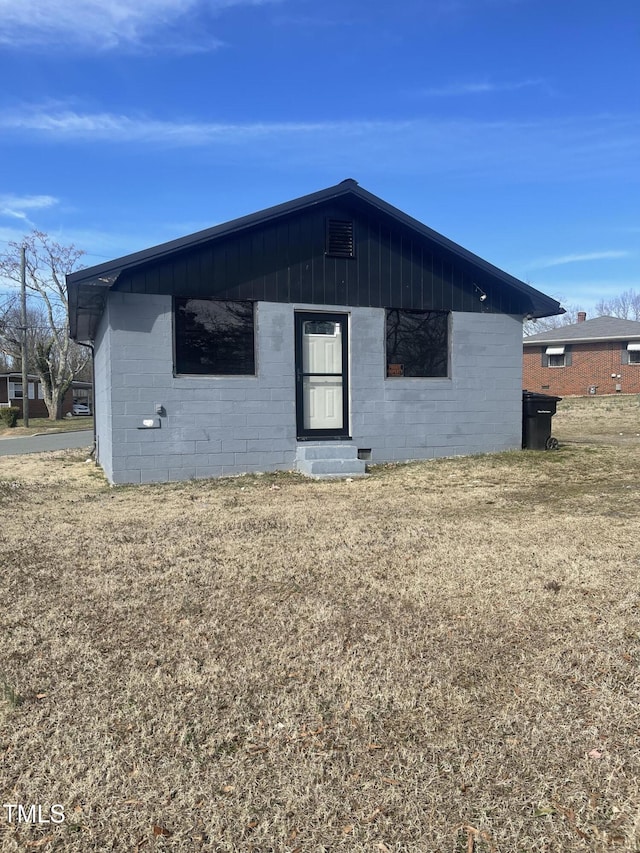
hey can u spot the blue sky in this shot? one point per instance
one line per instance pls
(510, 126)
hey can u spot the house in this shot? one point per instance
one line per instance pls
(317, 334)
(599, 356)
(11, 394)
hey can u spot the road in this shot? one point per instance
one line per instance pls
(50, 441)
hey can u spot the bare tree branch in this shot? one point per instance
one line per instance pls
(54, 356)
(626, 306)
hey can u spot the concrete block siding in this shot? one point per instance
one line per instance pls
(102, 394)
(214, 426)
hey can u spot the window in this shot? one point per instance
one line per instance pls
(321, 327)
(417, 343)
(15, 390)
(214, 338)
(555, 357)
(634, 352)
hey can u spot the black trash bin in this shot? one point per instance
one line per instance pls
(537, 411)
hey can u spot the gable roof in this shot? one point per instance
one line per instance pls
(88, 288)
(597, 329)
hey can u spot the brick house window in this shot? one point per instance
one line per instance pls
(556, 357)
(15, 390)
(634, 353)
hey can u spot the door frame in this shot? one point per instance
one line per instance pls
(310, 434)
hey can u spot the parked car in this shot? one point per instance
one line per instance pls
(80, 409)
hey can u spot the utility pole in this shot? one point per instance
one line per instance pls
(23, 321)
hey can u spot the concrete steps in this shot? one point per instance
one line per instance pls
(329, 461)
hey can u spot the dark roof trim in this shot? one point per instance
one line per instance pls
(102, 273)
(103, 276)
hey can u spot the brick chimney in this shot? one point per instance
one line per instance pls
(582, 316)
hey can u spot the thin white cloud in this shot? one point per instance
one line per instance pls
(122, 128)
(177, 25)
(18, 207)
(517, 150)
(482, 87)
(27, 202)
(609, 254)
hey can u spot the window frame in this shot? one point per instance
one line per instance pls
(447, 347)
(557, 351)
(202, 374)
(557, 355)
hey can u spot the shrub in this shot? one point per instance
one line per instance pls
(9, 416)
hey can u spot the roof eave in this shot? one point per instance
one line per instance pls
(105, 275)
(118, 265)
(529, 343)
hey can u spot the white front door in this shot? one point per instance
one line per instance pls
(321, 357)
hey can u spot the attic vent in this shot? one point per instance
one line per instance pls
(340, 238)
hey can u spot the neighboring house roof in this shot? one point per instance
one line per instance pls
(88, 288)
(79, 383)
(597, 329)
(17, 375)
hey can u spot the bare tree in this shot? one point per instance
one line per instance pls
(626, 306)
(544, 324)
(56, 359)
(11, 331)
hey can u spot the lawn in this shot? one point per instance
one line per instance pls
(41, 425)
(441, 658)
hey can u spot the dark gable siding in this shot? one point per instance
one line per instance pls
(285, 261)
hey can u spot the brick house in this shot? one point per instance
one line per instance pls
(599, 356)
(11, 395)
(318, 334)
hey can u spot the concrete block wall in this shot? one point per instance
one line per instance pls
(478, 409)
(102, 394)
(215, 426)
(211, 426)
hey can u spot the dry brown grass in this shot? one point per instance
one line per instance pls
(441, 657)
(600, 420)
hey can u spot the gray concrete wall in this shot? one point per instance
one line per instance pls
(214, 426)
(102, 394)
(478, 409)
